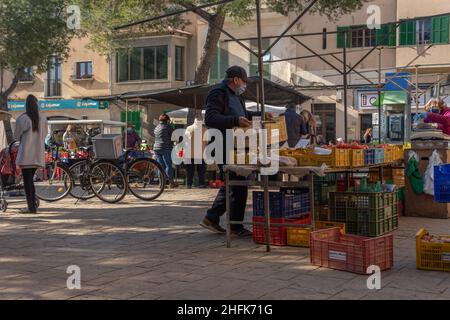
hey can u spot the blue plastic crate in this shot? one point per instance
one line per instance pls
(369, 157)
(379, 155)
(442, 183)
(282, 205)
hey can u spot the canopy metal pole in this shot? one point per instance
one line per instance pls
(379, 96)
(344, 74)
(126, 122)
(265, 178)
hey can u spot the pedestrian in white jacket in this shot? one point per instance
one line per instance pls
(31, 130)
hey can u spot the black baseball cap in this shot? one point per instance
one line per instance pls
(236, 71)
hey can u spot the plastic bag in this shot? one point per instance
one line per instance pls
(434, 160)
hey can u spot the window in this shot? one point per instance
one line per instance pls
(179, 63)
(361, 38)
(54, 78)
(440, 29)
(150, 63)
(220, 63)
(83, 70)
(27, 75)
(254, 60)
(423, 29)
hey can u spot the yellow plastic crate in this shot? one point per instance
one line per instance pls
(399, 153)
(297, 154)
(339, 158)
(298, 237)
(357, 158)
(388, 155)
(330, 224)
(432, 256)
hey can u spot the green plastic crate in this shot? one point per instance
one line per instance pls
(365, 214)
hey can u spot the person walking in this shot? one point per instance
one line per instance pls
(295, 124)
(368, 136)
(195, 156)
(163, 147)
(31, 130)
(225, 109)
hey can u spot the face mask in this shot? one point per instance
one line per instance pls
(435, 110)
(241, 89)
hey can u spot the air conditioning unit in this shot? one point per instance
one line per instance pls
(339, 95)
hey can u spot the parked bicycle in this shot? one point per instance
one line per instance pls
(145, 178)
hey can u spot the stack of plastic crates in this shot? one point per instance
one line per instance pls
(331, 249)
(287, 206)
(442, 183)
(432, 253)
(379, 155)
(365, 214)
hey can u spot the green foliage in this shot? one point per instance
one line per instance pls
(31, 31)
(101, 16)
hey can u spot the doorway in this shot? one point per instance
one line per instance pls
(326, 120)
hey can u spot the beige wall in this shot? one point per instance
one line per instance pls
(72, 89)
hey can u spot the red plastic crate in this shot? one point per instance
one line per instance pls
(330, 249)
(278, 236)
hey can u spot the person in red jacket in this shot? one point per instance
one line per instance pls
(438, 112)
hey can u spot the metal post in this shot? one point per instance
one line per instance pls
(227, 207)
(344, 74)
(379, 96)
(417, 90)
(126, 122)
(265, 178)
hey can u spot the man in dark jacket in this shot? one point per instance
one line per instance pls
(295, 124)
(225, 109)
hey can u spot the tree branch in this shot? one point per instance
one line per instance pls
(204, 14)
(14, 82)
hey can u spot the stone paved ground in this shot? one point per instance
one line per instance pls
(138, 250)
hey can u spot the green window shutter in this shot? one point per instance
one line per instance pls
(382, 35)
(408, 33)
(340, 37)
(392, 35)
(440, 29)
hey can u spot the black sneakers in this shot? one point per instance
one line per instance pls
(242, 233)
(211, 226)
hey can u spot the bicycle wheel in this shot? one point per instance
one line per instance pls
(52, 182)
(108, 182)
(146, 179)
(81, 184)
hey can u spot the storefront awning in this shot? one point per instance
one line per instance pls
(392, 98)
(195, 96)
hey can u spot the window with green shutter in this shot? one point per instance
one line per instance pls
(408, 33)
(440, 29)
(220, 63)
(387, 35)
(340, 37)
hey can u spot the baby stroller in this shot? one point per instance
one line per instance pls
(11, 185)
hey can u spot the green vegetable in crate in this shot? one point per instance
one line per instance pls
(415, 176)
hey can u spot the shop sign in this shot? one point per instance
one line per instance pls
(61, 104)
(367, 99)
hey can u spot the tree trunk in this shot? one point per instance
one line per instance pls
(7, 122)
(209, 50)
(4, 104)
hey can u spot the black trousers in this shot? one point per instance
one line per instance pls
(201, 171)
(28, 175)
(238, 202)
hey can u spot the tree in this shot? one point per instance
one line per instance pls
(101, 22)
(31, 31)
